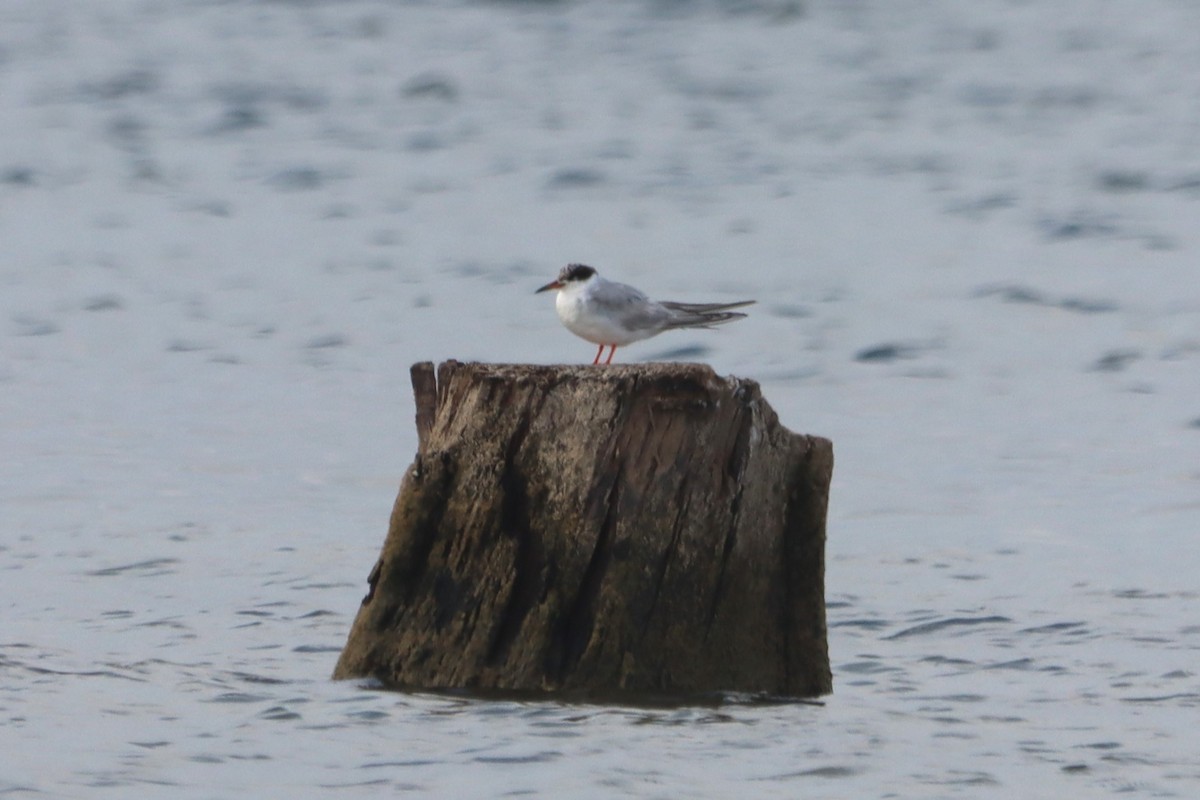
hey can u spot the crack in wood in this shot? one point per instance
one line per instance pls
(515, 523)
(575, 629)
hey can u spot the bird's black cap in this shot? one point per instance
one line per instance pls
(576, 272)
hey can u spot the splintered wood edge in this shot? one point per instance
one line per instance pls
(424, 383)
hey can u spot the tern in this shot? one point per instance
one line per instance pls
(611, 314)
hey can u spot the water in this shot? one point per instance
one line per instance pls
(230, 228)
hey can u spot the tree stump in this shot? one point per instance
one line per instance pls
(646, 528)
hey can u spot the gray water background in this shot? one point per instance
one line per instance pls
(229, 228)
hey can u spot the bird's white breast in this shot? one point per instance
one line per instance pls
(582, 318)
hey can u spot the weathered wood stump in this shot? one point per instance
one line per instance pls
(638, 528)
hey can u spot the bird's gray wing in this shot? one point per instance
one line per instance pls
(630, 307)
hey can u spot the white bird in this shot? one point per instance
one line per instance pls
(614, 314)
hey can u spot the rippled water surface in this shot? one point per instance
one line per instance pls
(229, 229)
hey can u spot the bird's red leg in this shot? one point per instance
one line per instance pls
(610, 353)
(596, 360)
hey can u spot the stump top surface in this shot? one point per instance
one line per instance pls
(674, 381)
(661, 369)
